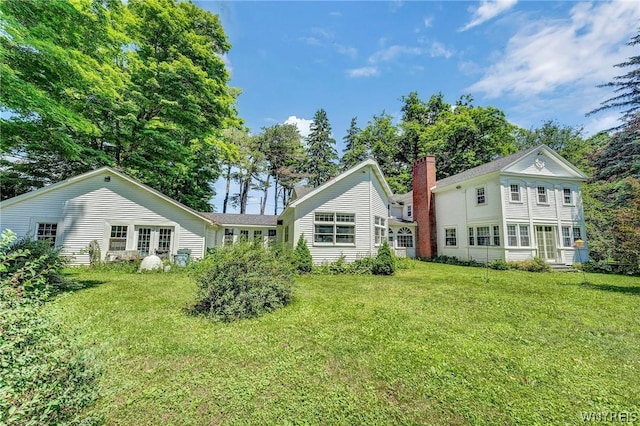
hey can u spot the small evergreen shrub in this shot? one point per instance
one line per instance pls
(302, 256)
(385, 262)
(242, 280)
(362, 266)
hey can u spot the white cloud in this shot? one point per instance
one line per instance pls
(312, 41)
(391, 52)
(302, 124)
(579, 51)
(345, 50)
(363, 72)
(335, 14)
(438, 49)
(227, 62)
(487, 10)
(428, 21)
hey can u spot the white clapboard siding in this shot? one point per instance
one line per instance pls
(86, 208)
(360, 193)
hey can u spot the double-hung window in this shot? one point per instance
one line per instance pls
(380, 225)
(118, 238)
(484, 237)
(570, 235)
(481, 198)
(450, 237)
(334, 228)
(472, 240)
(496, 235)
(514, 190)
(542, 195)
(567, 196)
(524, 236)
(512, 235)
(228, 235)
(518, 234)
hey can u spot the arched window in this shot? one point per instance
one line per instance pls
(405, 238)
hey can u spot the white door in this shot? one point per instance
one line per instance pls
(154, 240)
(546, 238)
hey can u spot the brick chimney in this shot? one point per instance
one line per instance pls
(424, 177)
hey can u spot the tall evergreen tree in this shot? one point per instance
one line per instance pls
(626, 89)
(321, 150)
(355, 148)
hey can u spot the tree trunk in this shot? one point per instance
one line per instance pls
(226, 194)
(263, 202)
(275, 197)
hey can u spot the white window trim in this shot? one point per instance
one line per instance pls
(572, 235)
(518, 235)
(455, 236)
(484, 194)
(335, 225)
(573, 196)
(520, 192)
(546, 195)
(380, 228)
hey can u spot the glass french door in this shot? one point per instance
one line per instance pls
(154, 240)
(546, 237)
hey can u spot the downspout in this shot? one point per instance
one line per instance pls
(371, 218)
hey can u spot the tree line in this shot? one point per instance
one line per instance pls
(142, 86)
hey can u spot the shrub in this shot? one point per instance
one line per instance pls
(50, 264)
(499, 264)
(45, 378)
(536, 264)
(384, 263)
(362, 266)
(242, 280)
(302, 256)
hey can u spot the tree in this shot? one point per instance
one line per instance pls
(416, 116)
(302, 256)
(468, 136)
(140, 86)
(381, 135)
(355, 149)
(284, 155)
(321, 150)
(626, 89)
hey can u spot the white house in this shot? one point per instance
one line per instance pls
(121, 214)
(346, 216)
(517, 207)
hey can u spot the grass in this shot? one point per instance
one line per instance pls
(431, 345)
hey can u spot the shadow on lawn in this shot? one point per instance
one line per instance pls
(614, 288)
(75, 285)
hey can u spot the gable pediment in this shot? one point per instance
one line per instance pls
(545, 163)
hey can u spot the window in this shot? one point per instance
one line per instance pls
(450, 237)
(405, 238)
(480, 196)
(524, 235)
(542, 195)
(334, 228)
(567, 196)
(244, 234)
(118, 238)
(512, 235)
(164, 242)
(144, 241)
(271, 236)
(567, 241)
(472, 241)
(577, 233)
(409, 210)
(228, 235)
(517, 233)
(391, 237)
(380, 229)
(484, 237)
(496, 235)
(514, 190)
(47, 232)
(286, 234)
(257, 235)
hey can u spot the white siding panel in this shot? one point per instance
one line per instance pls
(354, 194)
(87, 208)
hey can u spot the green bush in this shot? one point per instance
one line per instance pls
(385, 263)
(48, 258)
(302, 256)
(536, 264)
(362, 266)
(44, 377)
(499, 264)
(242, 280)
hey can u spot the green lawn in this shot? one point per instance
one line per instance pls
(431, 345)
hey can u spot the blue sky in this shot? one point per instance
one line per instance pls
(534, 60)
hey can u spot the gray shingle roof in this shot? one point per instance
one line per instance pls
(484, 169)
(301, 191)
(243, 219)
(402, 198)
(398, 221)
